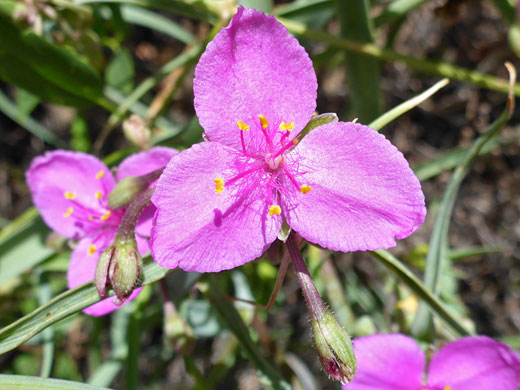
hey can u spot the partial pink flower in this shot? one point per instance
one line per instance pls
(396, 362)
(70, 189)
(221, 203)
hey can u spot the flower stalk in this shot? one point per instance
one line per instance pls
(332, 342)
(120, 265)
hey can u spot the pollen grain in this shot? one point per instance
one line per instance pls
(275, 209)
(219, 185)
(304, 189)
(263, 121)
(68, 213)
(92, 249)
(69, 195)
(287, 126)
(105, 216)
(100, 174)
(243, 126)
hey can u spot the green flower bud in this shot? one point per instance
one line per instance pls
(332, 342)
(334, 347)
(120, 266)
(125, 269)
(124, 191)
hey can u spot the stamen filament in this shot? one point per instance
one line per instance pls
(242, 174)
(286, 147)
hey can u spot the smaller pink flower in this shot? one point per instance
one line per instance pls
(70, 189)
(396, 362)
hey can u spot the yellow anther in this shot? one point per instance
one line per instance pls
(69, 195)
(68, 212)
(243, 126)
(263, 121)
(274, 209)
(219, 185)
(90, 218)
(100, 174)
(105, 216)
(98, 194)
(447, 387)
(305, 188)
(92, 249)
(287, 126)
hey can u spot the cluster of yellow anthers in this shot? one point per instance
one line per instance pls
(72, 195)
(242, 126)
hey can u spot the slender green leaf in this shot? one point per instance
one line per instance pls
(313, 13)
(396, 10)
(453, 158)
(26, 102)
(143, 17)
(120, 71)
(362, 71)
(197, 9)
(406, 106)
(22, 222)
(44, 68)
(422, 326)
(464, 253)
(19, 382)
(408, 278)
(44, 295)
(439, 68)
(11, 110)
(24, 250)
(62, 306)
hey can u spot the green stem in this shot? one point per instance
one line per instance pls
(439, 68)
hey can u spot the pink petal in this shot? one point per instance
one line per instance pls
(474, 363)
(145, 162)
(82, 268)
(58, 174)
(387, 362)
(144, 224)
(197, 229)
(253, 67)
(363, 196)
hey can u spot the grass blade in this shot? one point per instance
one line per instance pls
(397, 9)
(438, 68)
(145, 18)
(434, 303)
(406, 106)
(19, 382)
(10, 109)
(362, 71)
(62, 306)
(422, 326)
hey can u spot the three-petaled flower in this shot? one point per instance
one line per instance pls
(396, 362)
(222, 202)
(70, 189)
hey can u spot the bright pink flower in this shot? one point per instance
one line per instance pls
(70, 190)
(221, 203)
(396, 362)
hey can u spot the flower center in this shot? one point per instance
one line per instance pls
(263, 158)
(273, 162)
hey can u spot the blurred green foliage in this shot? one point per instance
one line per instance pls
(95, 57)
